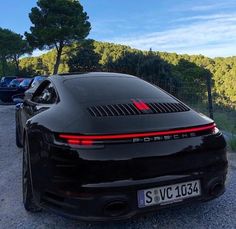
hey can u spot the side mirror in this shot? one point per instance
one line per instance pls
(28, 102)
(28, 95)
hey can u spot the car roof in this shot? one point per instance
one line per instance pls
(19, 79)
(9, 77)
(60, 79)
(65, 76)
(27, 79)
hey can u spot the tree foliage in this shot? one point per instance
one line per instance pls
(84, 58)
(182, 75)
(56, 24)
(12, 47)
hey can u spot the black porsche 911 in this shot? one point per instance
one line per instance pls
(107, 146)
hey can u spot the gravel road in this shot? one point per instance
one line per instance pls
(219, 213)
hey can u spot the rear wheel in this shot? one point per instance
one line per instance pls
(28, 199)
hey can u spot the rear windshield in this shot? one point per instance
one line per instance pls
(94, 89)
(25, 82)
(15, 82)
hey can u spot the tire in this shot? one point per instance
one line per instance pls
(4, 100)
(18, 143)
(27, 191)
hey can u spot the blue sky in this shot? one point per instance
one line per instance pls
(205, 27)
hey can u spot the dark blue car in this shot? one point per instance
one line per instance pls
(5, 81)
(16, 82)
(7, 93)
(37, 80)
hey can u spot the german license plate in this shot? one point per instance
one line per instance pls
(169, 194)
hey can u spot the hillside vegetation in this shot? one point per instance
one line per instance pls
(186, 72)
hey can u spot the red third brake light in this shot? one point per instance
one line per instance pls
(141, 105)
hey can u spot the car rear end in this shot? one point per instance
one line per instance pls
(127, 156)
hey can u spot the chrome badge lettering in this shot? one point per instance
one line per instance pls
(164, 137)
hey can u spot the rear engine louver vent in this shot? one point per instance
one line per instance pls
(131, 109)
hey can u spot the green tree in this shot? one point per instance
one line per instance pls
(18, 48)
(56, 24)
(4, 52)
(184, 76)
(84, 59)
(12, 47)
(33, 66)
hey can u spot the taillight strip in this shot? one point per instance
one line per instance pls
(137, 135)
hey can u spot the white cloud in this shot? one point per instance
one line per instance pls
(214, 35)
(204, 6)
(205, 17)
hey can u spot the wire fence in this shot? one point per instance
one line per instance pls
(197, 97)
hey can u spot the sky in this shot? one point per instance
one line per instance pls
(206, 27)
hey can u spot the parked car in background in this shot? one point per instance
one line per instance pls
(37, 80)
(5, 80)
(30, 89)
(16, 82)
(34, 85)
(16, 87)
(25, 84)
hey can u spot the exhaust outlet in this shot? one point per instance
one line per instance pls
(115, 208)
(216, 189)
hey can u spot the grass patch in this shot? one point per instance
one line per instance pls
(226, 121)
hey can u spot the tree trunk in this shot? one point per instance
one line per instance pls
(58, 59)
(16, 60)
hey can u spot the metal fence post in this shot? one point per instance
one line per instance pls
(209, 93)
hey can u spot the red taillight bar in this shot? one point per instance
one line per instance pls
(91, 138)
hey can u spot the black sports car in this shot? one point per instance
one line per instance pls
(107, 146)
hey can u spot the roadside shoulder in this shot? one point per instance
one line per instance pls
(232, 160)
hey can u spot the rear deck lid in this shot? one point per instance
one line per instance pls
(125, 104)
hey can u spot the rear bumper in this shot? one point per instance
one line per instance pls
(121, 202)
(102, 184)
